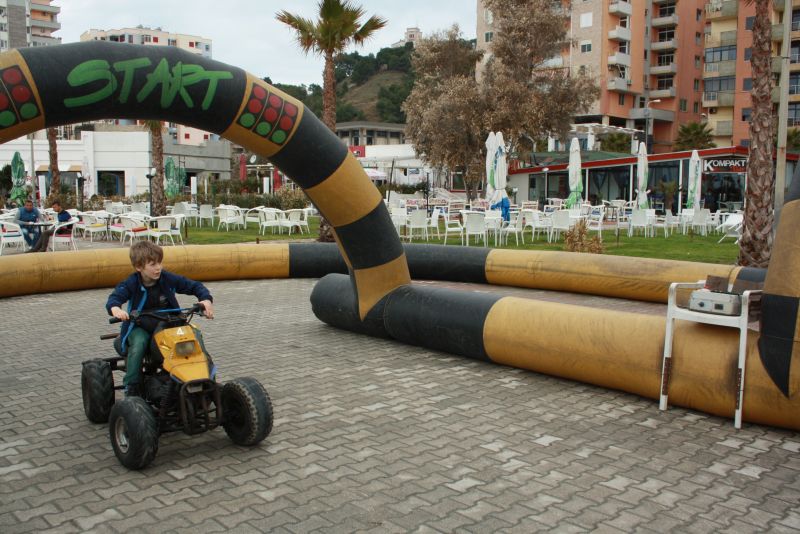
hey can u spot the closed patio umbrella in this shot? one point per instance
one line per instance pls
(574, 170)
(499, 198)
(641, 177)
(693, 195)
(491, 152)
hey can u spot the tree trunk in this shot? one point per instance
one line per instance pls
(329, 118)
(756, 242)
(55, 174)
(159, 207)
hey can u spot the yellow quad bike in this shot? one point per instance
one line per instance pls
(179, 392)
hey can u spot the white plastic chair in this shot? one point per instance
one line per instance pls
(294, 218)
(177, 227)
(68, 239)
(228, 216)
(134, 229)
(251, 216)
(267, 218)
(638, 219)
(11, 236)
(453, 225)
(161, 227)
(561, 222)
(700, 221)
(93, 225)
(475, 224)
(732, 227)
(433, 222)
(418, 220)
(595, 221)
(206, 213)
(516, 226)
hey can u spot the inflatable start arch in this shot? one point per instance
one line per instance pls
(51, 86)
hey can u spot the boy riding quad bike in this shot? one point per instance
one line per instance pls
(179, 392)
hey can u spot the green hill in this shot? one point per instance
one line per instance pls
(365, 96)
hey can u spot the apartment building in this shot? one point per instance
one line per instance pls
(143, 35)
(727, 76)
(28, 23)
(645, 55)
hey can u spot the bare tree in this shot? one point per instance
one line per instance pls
(55, 174)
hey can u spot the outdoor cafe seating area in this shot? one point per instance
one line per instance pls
(127, 223)
(476, 224)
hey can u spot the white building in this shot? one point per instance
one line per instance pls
(400, 164)
(143, 35)
(116, 163)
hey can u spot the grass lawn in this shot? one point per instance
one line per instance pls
(675, 247)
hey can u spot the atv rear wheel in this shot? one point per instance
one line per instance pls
(246, 411)
(134, 432)
(97, 389)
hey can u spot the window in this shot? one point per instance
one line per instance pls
(488, 17)
(586, 20)
(748, 53)
(794, 83)
(697, 62)
(155, 39)
(746, 112)
(684, 105)
(745, 142)
(624, 47)
(621, 99)
(205, 137)
(186, 136)
(696, 84)
(723, 83)
(191, 44)
(696, 107)
(664, 81)
(146, 39)
(720, 53)
(667, 34)
(698, 38)
(488, 36)
(748, 23)
(3, 27)
(666, 9)
(795, 20)
(699, 15)
(172, 42)
(665, 59)
(747, 84)
(624, 21)
(794, 113)
(586, 46)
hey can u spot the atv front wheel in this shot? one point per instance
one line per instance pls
(134, 432)
(246, 411)
(97, 389)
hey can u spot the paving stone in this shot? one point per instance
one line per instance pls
(374, 436)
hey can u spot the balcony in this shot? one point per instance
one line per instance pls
(662, 93)
(620, 34)
(619, 58)
(658, 46)
(723, 128)
(49, 24)
(46, 8)
(672, 68)
(553, 62)
(777, 63)
(620, 8)
(777, 33)
(719, 68)
(663, 22)
(713, 99)
(722, 10)
(620, 85)
(720, 39)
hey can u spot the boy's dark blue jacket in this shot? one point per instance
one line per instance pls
(132, 291)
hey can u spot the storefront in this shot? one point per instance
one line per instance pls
(723, 179)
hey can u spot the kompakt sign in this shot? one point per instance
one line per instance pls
(725, 165)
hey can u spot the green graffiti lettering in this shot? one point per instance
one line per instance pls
(173, 81)
(87, 72)
(127, 69)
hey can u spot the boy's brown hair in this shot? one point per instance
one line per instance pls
(144, 252)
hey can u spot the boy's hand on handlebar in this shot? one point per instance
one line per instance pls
(119, 313)
(209, 308)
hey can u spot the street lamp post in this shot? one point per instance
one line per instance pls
(648, 124)
(150, 177)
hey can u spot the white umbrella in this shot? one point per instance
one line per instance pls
(375, 174)
(491, 153)
(693, 195)
(499, 198)
(641, 177)
(574, 170)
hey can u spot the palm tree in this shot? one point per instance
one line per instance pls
(616, 142)
(159, 199)
(55, 174)
(694, 135)
(337, 27)
(756, 242)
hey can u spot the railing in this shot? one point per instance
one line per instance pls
(711, 95)
(793, 121)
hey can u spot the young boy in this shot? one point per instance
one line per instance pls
(149, 288)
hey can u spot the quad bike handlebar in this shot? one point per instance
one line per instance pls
(184, 313)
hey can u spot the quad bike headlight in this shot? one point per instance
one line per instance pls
(184, 348)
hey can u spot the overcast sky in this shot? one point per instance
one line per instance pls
(245, 33)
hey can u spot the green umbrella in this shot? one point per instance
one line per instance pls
(173, 179)
(575, 174)
(18, 192)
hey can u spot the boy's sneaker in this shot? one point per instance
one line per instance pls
(133, 390)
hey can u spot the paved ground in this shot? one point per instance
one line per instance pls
(370, 435)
